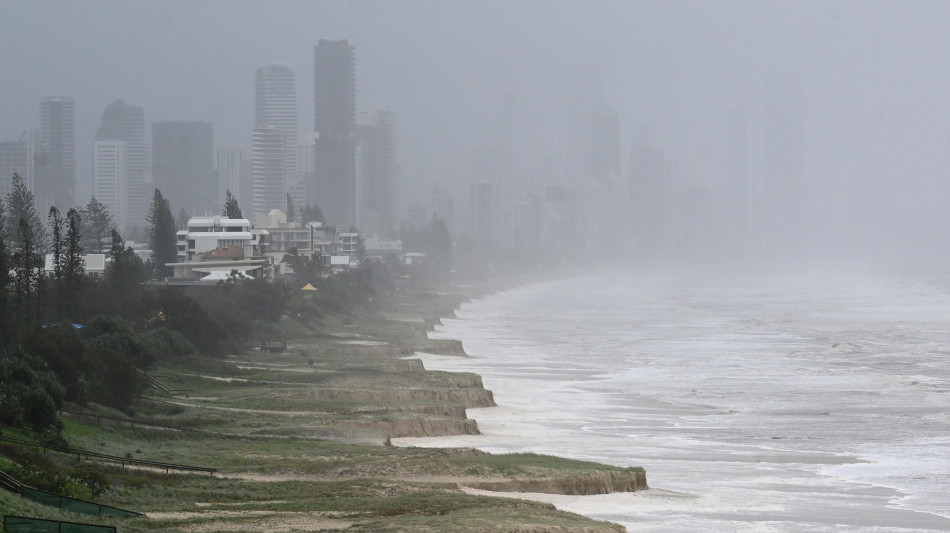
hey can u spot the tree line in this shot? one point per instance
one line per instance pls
(66, 336)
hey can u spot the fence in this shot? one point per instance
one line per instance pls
(268, 345)
(9, 483)
(106, 457)
(74, 504)
(156, 384)
(22, 524)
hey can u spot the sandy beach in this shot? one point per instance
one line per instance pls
(765, 466)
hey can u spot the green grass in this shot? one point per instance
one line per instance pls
(305, 461)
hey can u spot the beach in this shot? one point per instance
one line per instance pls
(806, 405)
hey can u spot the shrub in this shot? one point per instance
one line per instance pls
(31, 395)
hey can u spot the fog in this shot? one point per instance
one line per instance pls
(785, 129)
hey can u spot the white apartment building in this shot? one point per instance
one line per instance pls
(207, 233)
(110, 178)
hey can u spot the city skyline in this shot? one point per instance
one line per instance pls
(871, 131)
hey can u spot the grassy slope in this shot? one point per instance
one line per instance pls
(291, 455)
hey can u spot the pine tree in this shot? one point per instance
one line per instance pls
(97, 223)
(181, 221)
(291, 212)
(162, 239)
(20, 204)
(26, 276)
(57, 249)
(312, 213)
(3, 221)
(74, 265)
(125, 272)
(231, 207)
(440, 243)
(5, 266)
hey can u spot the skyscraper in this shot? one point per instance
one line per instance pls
(483, 213)
(276, 98)
(54, 182)
(274, 153)
(334, 185)
(15, 157)
(376, 172)
(271, 169)
(229, 171)
(110, 177)
(784, 179)
(183, 166)
(124, 122)
(737, 185)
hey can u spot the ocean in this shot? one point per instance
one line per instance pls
(754, 404)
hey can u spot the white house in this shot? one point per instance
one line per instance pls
(95, 264)
(215, 246)
(206, 233)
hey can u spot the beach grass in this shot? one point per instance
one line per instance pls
(299, 441)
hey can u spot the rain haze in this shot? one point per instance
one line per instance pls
(831, 117)
(795, 153)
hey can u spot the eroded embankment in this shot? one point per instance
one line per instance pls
(468, 398)
(417, 427)
(586, 484)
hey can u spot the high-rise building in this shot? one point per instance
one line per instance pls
(737, 175)
(605, 197)
(650, 186)
(15, 158)
(274, 140)
(124, 122)
(376, 165)
(110, 178)
(271, 169)
(276, 98)
(784, 179)
(559, 226)
(333, 186)
(483, 213)
(183, 166)
(54, 182)
(228, 170)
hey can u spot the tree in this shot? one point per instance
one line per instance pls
(162, 239)
(31, 394)
(312, 213)
(57, 249)
(5, 266)
(440, 243)
(20, 204)
(231, 207)
(181, 221)
(74, 266)
(26, 276)
(3, 220)
(291, 214)
(97, 223)
(126, 268)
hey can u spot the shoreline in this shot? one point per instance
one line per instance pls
(299, 439)
(889, 514)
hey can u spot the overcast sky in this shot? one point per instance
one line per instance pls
(874, 76)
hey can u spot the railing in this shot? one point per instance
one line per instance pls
(156, 384)
(75, 505)
(23, 524)
(268, 345)
(130, 421)
(106, 457)
(9, 483)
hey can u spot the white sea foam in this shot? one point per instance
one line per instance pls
(800, 406)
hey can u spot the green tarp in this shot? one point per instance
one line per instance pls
(74, 505)
(21, 524)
